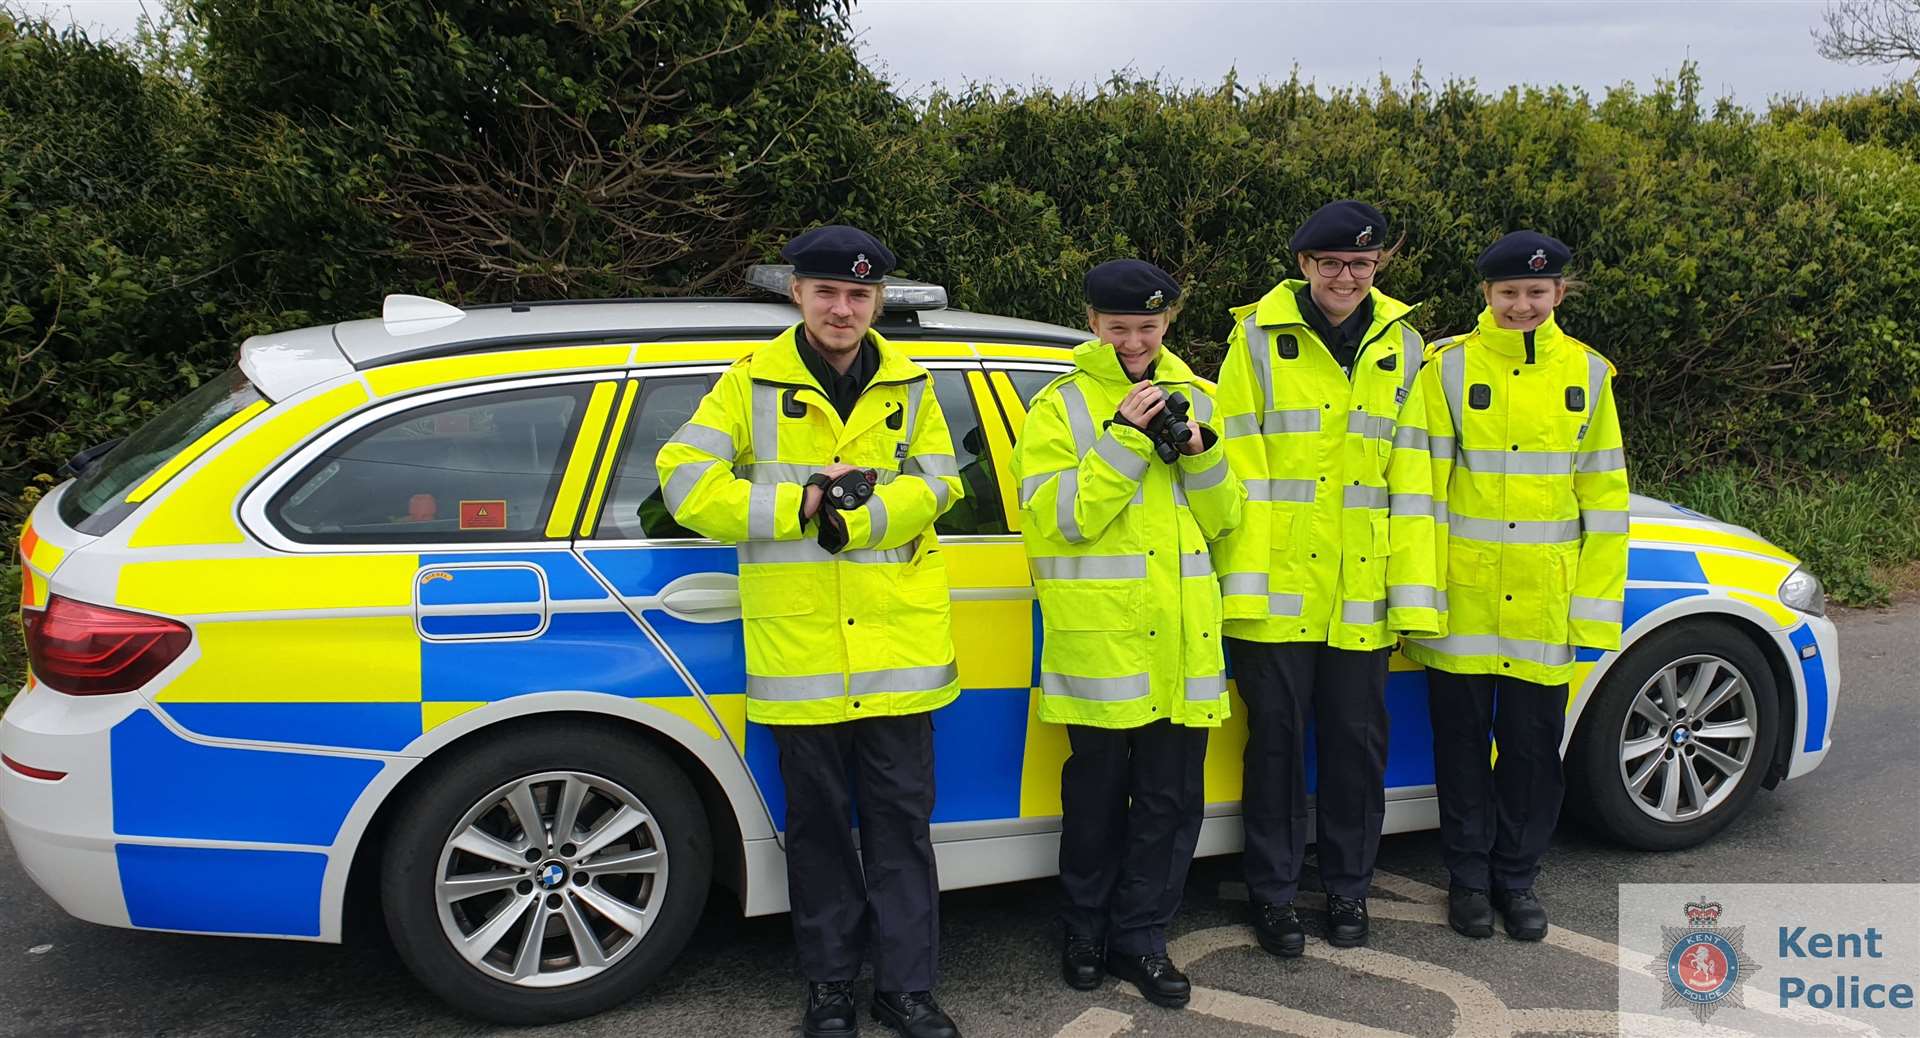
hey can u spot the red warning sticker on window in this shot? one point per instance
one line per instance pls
(483, 515)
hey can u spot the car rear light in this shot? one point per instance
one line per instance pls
(30, 771)
(90, 650)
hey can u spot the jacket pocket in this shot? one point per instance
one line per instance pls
(1092, 605)
(1472, 564)
(766, 595)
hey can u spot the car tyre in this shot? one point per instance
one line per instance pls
(421, 856)
(1666, 666)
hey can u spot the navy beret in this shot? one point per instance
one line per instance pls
(839, 253)
(1131, 286)
(1524, 254)
(1346, 226)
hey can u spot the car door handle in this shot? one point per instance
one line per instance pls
(705, 598)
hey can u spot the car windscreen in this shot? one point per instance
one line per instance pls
(97, 499)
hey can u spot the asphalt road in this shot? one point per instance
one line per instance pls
(1850, 821)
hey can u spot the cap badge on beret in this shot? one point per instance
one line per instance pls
(1538, 261)
(861, 267)
(1365, 235)
(1157, 300)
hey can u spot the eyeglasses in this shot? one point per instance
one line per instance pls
(1331, 268)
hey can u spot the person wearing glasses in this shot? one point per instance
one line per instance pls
(1330, 561)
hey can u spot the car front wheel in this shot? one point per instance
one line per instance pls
(547, 874)
(1677, 739)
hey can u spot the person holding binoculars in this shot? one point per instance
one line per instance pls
(1123, 482)
(1333, 560)
(824, 455)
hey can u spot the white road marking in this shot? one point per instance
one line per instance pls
(1097, 1023)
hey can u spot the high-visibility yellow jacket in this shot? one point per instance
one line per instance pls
(1323, 553)
(866, 632)
(1530, 493)
(1117, 540)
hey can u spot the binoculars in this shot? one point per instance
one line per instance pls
(1169, 430)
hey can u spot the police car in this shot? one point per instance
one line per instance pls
(392, 614)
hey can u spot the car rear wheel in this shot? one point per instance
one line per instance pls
(547, 874)
(1677, 739)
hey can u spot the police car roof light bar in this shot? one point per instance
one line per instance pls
(900, 293)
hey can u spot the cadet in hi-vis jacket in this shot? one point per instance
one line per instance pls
(1118, 503)
(1529, 487)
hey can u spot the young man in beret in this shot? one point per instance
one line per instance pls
(846, 614)
(1321, 574)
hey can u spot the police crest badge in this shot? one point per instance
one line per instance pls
(1157, 300)
(862, 266)
(1538, 261)
(1703, 963)
(1365, 237)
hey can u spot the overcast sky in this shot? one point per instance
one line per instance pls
(1750, 49)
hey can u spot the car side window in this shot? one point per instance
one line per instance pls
(635, 509)
(1028, 382)
(981, 510)
(476, 468)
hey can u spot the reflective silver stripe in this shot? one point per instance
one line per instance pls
(780, 552)
(1078, 419)
(1411, 437)
(795, 689)
(1104, 690)
(903, 679)
(1603, 610)
(1032, 484)
(878, 556)
(1611, 459)
(1120, 456)
(1357, 612)
(1243, 583)
(766, 421)
(914, 392)
(1286, 605)
(1260, 352)
(1364, 497)
(705, 438)
(876, 519)
(1212, 686)
(1280, 490)
(1453, 382)
(1410, 504)
(1371, 426)
(762, 499)
(931, 465)
(1604, 520)
(1064, 496)
(777, 472)
(939, 488)
(1292, 420)
(1090, 567)
(1510, 648)
(1517, 463)
(1179, 493)
(1202, 406)
(1205, 479)
(682, 482)
(1596, 381)
(1441, 447)
(1413, 596)
(1412, 353)
(1549, 531)
(1196, 564)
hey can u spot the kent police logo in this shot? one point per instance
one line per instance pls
(861, 267)
(1538, 261)
(1705, 964)
(1365, 236)
(1157, 300)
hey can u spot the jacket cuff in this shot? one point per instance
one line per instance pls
(788, 499)
(1414, 621)
(1211, 452)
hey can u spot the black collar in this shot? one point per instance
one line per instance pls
(843, 391)
(1342, 340)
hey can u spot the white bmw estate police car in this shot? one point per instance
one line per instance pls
(393, 611)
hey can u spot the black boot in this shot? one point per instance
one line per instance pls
(1159, 982)
(914, 1014)
(1525, 917)
(1278, 928)
(1468, 912)
(830, 1011)
(1082, 962)
(1346, 921)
